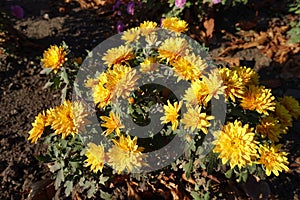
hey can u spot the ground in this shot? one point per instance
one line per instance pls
(51, 22)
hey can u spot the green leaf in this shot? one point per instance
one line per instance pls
(188, 168)
(64, 76)
(69, 187)
(228, 174)
(91, 191)
(195, 195)
(55, 167)
(64, 93)
(103, 179)
(105, 195)
(48, 84)
(252, 168)
(59, 179)
(46, 71)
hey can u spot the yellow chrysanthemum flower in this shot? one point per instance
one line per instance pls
(189, 67)
(37, 127)
(292, 105)
(126, 84)
(54, 57)
(125, 155)
(131, 35)
(283, 115)
(194, 119)
(67, 119)
(171, 114)
(148, 65)
(235, 144)
(114, 75)
(175, 24)
(248, 75)
(95, 157)
(269, 127)
(112, 123)
(272, 159)
(258, 98)
(214, 85)
(235, 87)
(101, 96)
(197, 94)
(172, 48)
(118, 55)
(147, 27)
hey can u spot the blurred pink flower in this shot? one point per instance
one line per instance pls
(180, 3)
(216, 1)
(120, 26)
(130, 8)
(17, 11)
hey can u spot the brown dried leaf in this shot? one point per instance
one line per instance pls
(209, 25)
(131, 193)
(230, 61)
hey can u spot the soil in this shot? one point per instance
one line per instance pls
(48, 22)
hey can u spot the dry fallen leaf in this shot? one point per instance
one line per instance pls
(209, 25)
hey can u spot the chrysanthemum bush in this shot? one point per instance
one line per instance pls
(243, 140)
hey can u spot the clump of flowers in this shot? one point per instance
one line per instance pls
(94, 154)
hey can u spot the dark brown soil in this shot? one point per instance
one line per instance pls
(22, 95)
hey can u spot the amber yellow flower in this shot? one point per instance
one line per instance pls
(235, 87)
(235, 144)
(126, 84)
(112, 123)
(171, 114)
(37, 127)
(95, 157)
(125, 155)
(197, 93)
(102, 96)
(194, 119)
(273, 159)
(131, 35)
(283, 115)
(258, 98)
(148, 27)
(292, 105)
(54, 57)
(248, 75)
(269, 127)
(114, 75)
(118, 55)
(175, 24)
(148, 65)
(214, 85)
(172, 48)
(67, 119)
(189, 67)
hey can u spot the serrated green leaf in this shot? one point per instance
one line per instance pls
(69, 187)
(64, 76)
(188, 168)
(195, 195)
(59, 179)
(55, 167)
(64, 93)
(91, 191)
(103, 179)
(105, 195)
